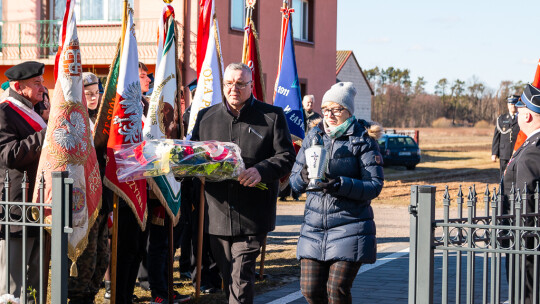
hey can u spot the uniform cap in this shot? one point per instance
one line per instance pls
(512, 99)
(530, 99)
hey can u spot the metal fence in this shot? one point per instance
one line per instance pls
(16, 218)
(469, 251)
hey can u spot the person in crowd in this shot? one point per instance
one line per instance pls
(43, 108)
(153, 272)
(22, 134)
(238, 215)
(523, 170)
(332, 251)
(309, 114)
(132, 240)
(91, 92)
(94, 261)
(505, 135)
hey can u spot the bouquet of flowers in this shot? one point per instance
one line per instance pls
(9, 299)
(213, 160)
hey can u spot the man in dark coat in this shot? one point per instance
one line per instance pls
(310, 116)
(524, 169)
(506, 132)
(22, 133)
(238, 214)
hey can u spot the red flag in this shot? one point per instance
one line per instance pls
(254, 62)
(203, 31)
(536, 81)
(126, 127)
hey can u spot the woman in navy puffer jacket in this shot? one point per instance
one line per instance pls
(338, 231)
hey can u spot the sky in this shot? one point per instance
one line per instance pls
(489, 40)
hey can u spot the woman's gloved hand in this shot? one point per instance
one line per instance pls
(304, 174)
(330, 186)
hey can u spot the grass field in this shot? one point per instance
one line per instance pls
(450, 157)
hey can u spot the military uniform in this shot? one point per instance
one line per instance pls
(504, 138)
(524, 170)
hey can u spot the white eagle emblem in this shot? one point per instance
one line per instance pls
(131, 124)
(70, 133)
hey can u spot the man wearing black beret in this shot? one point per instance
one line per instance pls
(522, 171)
(22, 133)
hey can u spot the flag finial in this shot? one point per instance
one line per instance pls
(168, 1)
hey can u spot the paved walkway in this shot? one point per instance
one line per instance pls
(386, 281)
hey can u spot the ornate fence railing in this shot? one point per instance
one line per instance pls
(470, 249)
(17, 218)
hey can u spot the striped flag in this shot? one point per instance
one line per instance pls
(161, 121)
(126, 126)
(68, 143)
(209, 91)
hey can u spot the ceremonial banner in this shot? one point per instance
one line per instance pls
(161, 122)
(209, 91)
(126, 127)
(206, 15)
(287, 89)
(104, 116)
(253, 60)
(68, 143)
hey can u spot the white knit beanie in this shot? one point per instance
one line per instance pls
(341, 93)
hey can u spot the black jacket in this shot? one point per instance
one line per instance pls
(20, 148)
(524, 167)
(261, 132)
(504, 138)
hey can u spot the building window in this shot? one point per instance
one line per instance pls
(90, 11)
(238, 14)
(301, 19)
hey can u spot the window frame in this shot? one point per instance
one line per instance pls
(306, 22)
(254, 17)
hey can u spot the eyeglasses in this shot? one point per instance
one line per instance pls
(334, 111)
(238, 85)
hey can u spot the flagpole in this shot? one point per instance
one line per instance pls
(200, 241)
(249, 12)
(114, 241)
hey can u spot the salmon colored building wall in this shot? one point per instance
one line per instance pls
(315, 59)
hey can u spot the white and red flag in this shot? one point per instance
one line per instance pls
(209, 91)
(68, 143)
(126, 127)
(162, 120)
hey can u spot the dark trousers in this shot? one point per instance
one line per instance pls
(236, 257)
(91, 265)
(503, 164)
(327, 282)
(130, 248)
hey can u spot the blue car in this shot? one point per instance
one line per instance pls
(399, 150)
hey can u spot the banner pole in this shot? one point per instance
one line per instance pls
(114, 241)
(171, 260)
(200, 241)
(249, 12)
